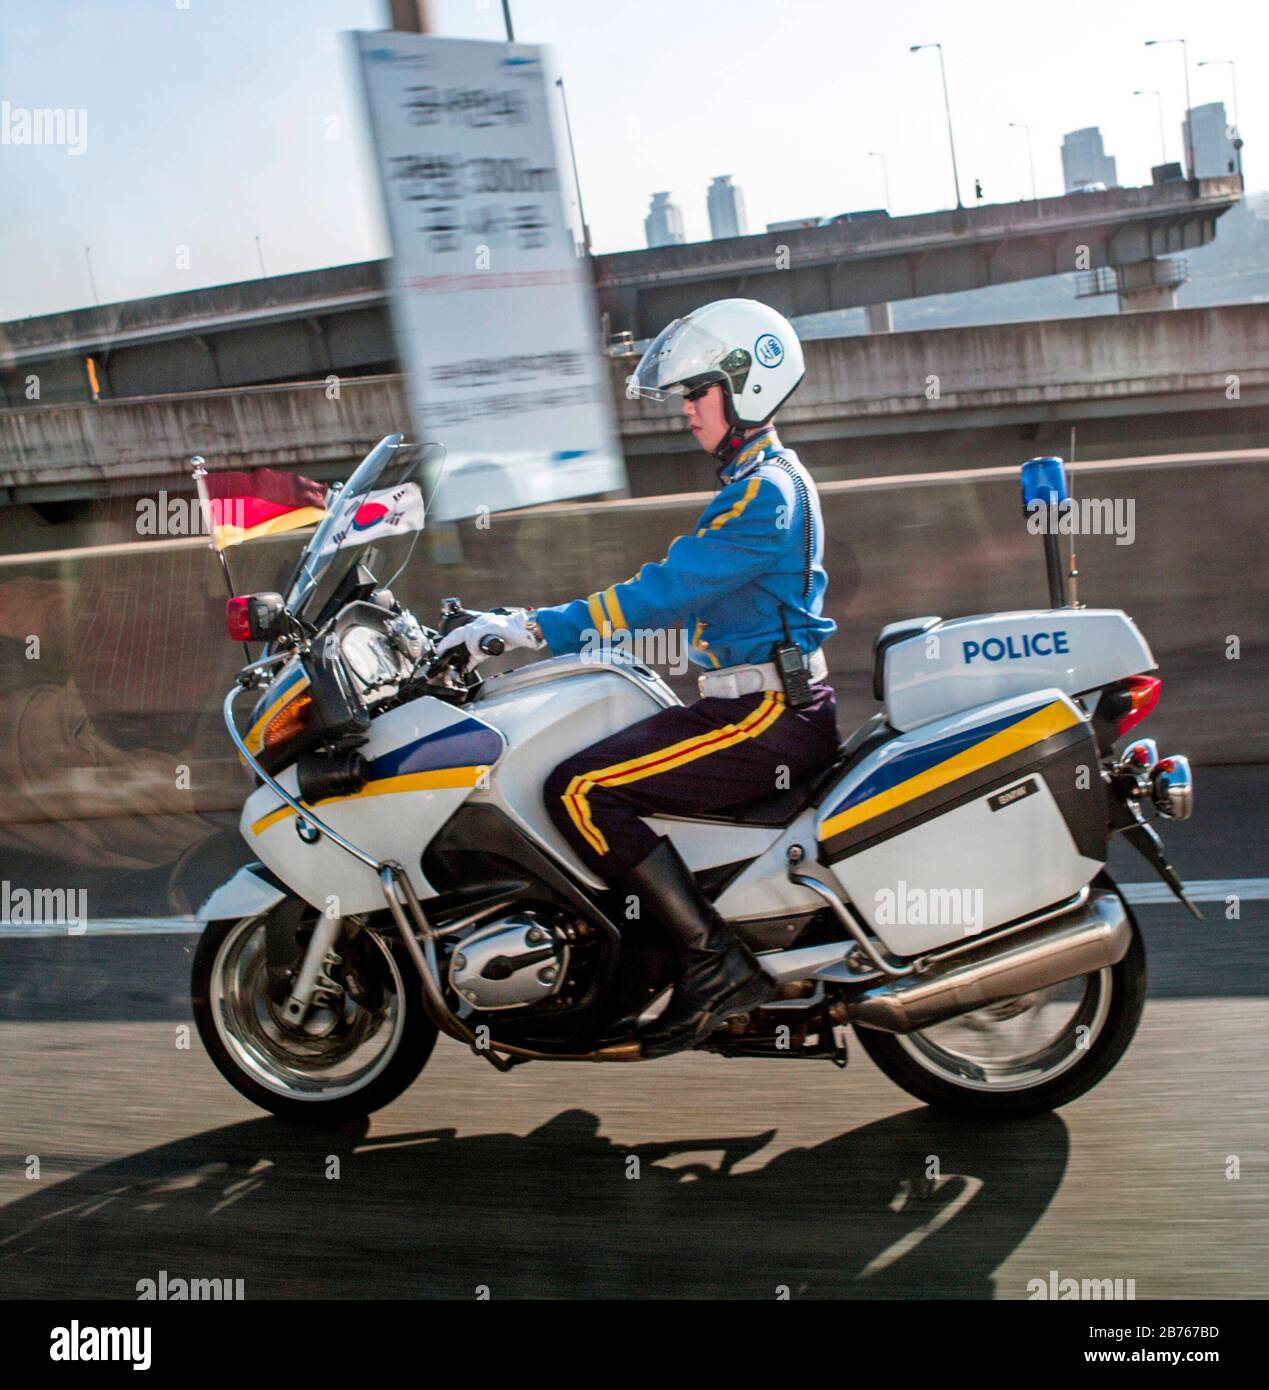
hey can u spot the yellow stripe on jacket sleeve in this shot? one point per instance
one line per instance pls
(614, 607)
(735, 509)
(598, 617)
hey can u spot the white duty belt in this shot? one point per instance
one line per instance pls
(734, 681)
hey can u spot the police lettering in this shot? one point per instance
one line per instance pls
(1014, 648)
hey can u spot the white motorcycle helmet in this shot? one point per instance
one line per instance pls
(747, 346)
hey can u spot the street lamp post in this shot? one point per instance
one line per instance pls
(885, 174)
(1018, 125)
(92, 279)
(1233, 78)
(1163, 140)
(1189, 122)
(947, 106)
(577, 182)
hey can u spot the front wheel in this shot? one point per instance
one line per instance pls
(1026, 1055)
(350, 1057)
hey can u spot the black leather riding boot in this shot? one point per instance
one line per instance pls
(720, 975)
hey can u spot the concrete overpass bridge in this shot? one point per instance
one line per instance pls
(1195, 379)
(335, 321)
(1121, 231)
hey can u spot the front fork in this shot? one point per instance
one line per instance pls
(313, 986)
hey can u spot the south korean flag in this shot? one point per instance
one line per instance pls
(393, 511)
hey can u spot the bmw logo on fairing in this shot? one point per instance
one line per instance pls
(769, 350)
(307, 832)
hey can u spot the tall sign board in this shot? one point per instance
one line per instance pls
(492, 308)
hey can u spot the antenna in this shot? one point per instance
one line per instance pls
(1073, 573)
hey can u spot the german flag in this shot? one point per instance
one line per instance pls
(241, 506)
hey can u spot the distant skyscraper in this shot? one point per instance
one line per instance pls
(1085, 161)
(726, 208)
(663, 226)
(1214, 153)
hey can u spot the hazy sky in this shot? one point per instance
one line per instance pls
(212, 121)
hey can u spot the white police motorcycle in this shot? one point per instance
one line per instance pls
(939, 888)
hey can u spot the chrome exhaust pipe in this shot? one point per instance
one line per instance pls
(1089, 938)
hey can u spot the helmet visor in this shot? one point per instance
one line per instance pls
(681, 358)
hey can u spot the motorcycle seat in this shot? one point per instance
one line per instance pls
(781, 807)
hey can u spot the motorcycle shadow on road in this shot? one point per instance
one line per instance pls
(913, 1206)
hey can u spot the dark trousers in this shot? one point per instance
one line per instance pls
(689, 759)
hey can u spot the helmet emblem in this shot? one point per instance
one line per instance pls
(769, 350)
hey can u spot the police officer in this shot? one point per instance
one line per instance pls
(748, 583)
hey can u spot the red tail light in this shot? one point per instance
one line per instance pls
(1136, 697)
(238, 618)
(255, 617)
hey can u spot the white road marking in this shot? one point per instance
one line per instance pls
(1200, 890)
(105, 926)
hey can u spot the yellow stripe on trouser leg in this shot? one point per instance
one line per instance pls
(576, 797)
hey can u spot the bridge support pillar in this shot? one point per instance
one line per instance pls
(1148, 297)
(1150, 284)
(880, 318)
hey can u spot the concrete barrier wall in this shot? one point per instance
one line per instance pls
(1020, 376)
(948, 371)
(301, 425)
(1193, 577)
(113, 760)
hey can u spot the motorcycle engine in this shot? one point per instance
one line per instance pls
(510, 964)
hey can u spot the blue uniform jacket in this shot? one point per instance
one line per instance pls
(728, 581)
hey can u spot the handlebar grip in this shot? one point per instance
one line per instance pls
(491, 645)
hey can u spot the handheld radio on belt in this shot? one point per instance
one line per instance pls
(787, 655)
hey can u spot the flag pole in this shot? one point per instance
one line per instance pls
(198, 466)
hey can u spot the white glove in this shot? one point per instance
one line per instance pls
(512, 627)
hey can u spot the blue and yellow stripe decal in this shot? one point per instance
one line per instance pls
(453, 757)
(932, 766)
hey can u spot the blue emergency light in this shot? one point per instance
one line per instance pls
(1044, 480)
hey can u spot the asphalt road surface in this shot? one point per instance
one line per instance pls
(695, 1176)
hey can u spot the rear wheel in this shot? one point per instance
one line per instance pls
(348, 1058)
(1025, 1055)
